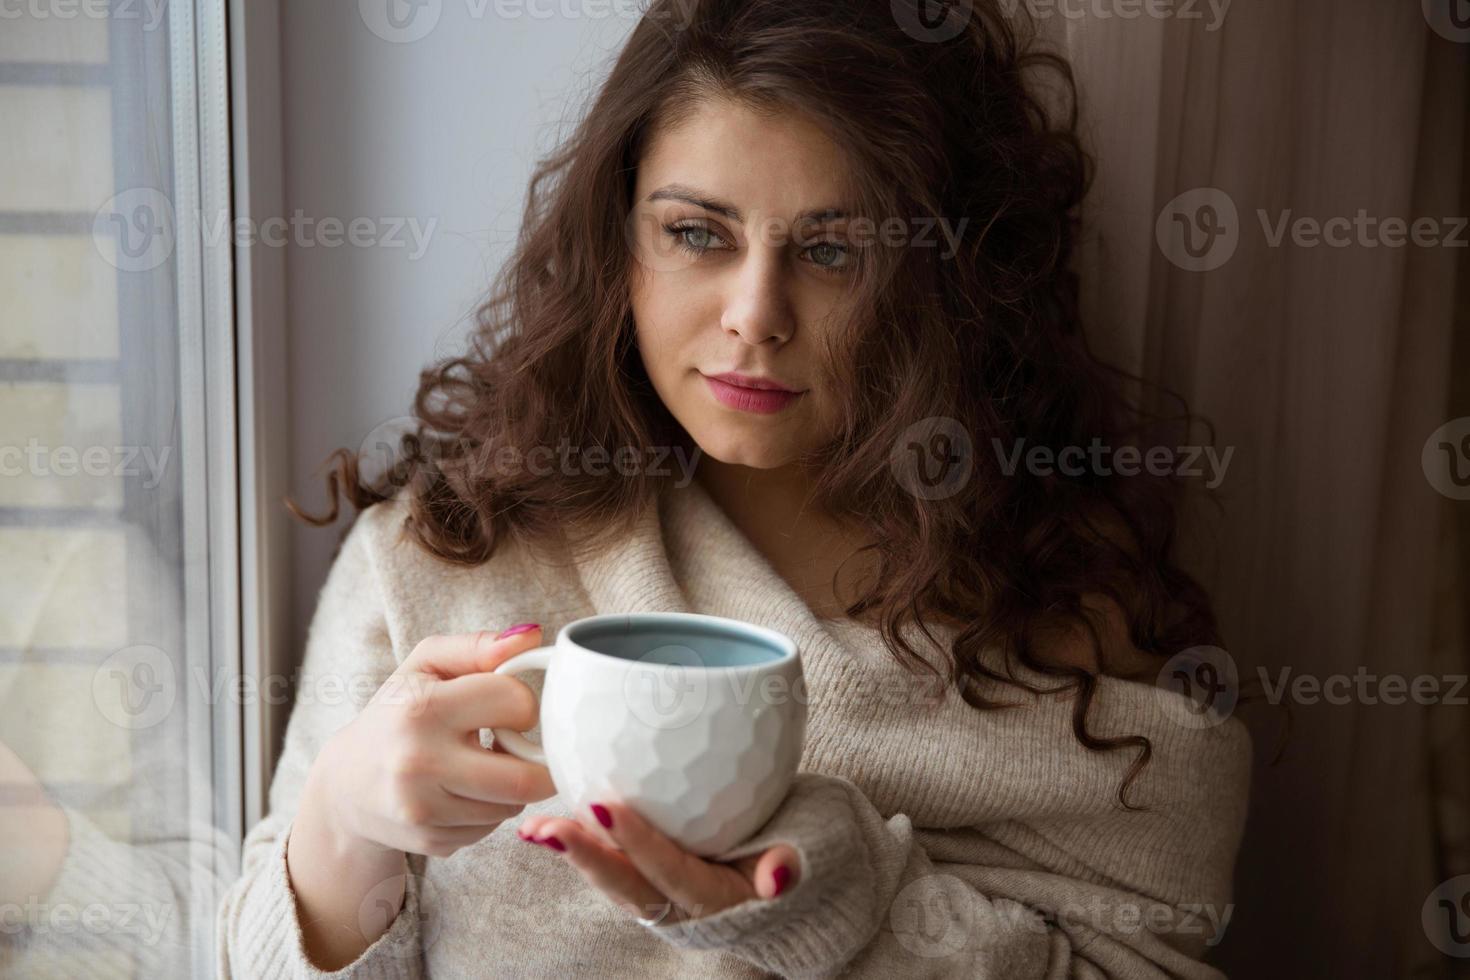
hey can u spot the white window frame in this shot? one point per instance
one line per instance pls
(262, 418)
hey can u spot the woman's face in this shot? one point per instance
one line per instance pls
(739, 269)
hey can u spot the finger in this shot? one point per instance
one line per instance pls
(533, 825)
(776, 871)
(607, 870)
(495, 778)
(680, 875)
(475, 701)
(445, 840)
(457, 654)
(462, 836)
(454, 810)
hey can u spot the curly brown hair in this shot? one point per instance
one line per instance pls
(941, 118)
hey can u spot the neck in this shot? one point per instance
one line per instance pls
(760, 501)
(773, 508)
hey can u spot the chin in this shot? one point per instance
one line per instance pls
(740, 449)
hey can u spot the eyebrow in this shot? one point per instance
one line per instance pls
(701, 199)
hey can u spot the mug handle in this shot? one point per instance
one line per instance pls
(513, 741)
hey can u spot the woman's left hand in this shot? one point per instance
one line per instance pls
(651, 873)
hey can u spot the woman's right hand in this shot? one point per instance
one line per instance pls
(408, 773)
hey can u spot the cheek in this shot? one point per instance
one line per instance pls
(665, 357)
(656, 345)
(668, 324)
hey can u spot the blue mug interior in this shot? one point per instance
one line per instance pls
(677, 643)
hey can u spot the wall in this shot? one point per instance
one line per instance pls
(441, 131)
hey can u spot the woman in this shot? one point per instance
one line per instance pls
(789, 314)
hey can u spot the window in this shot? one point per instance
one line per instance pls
(119, 528)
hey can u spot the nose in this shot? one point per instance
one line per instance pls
(759, 307)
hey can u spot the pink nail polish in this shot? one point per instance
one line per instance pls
(780, 876)
(551, 842)
(517, 628)
(601, 813)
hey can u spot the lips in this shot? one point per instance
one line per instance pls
(762, 401)
(751, 381)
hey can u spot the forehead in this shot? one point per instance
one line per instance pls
(771, 164)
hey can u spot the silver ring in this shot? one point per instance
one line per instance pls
(656, 919)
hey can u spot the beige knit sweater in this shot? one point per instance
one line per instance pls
(936, 840)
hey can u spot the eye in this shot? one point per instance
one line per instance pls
(829, 257)
(695, 239)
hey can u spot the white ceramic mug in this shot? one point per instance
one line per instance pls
(695, 721)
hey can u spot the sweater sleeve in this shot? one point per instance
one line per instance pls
(871, 902)
(348, 657)
(143, 865)
(120, 908)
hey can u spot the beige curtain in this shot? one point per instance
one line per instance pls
(1327, 369)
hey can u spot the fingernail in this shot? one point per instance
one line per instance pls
(523, 835)
(780, 876)
(552, 843)
(517, 628)
(603, 817)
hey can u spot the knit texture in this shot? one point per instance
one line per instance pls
(935, 840)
